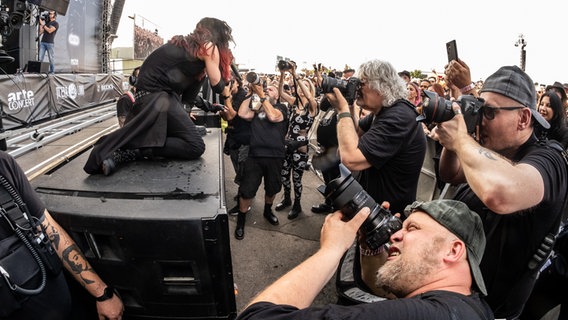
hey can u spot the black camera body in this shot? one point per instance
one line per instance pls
(347, 195)
(436, 109)
(347, 87)
(44, 16)
(284, 65)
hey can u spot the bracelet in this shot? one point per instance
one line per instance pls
(262, 99)
(107, 294)
(344, 114)
(467, 88)
(370, 253)
(225, 97)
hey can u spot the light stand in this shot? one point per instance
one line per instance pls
(522, 43)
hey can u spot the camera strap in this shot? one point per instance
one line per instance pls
(14, 214)
(14, 211)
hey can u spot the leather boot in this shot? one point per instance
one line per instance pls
(119, 157)
(296, 209)
(285, 203)
(323, 208)
(240, 229)
(270, 217)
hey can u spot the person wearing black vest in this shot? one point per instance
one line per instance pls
(21, 291)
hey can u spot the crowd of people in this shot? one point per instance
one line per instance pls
(512, 171)
(475, 256)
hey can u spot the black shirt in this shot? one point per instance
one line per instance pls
(267, 138)
(433, 305)
(50, 37)
(394, 145)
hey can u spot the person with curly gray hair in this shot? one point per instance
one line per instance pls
(387, 146)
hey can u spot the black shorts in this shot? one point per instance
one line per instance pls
(255, 169)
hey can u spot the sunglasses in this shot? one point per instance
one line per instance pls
(490, 111)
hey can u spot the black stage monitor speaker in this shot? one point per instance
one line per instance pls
(157, 231)
(38, 67)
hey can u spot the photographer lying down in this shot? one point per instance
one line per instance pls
(432, 267)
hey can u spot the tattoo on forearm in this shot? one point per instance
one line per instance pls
(488, 154)
(77, 262)
(54, 236)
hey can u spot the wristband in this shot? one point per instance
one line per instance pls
(107, 294)
(343, 115)
(225, 97)
(262, 99)
(467, 88)
(370, 253)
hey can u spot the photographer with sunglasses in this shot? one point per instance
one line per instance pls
(515, 182)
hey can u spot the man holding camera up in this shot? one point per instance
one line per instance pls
(515, 183)
(47, 29)
(388, 145)
(266, 150)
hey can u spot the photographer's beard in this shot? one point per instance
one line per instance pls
(406, 274)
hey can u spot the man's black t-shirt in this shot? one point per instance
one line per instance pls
(433, 305)
(512, 239)
(267, 138)
(394, 145)
(50, 37)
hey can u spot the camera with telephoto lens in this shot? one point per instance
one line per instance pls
(253, 77)
(284, 65)
(436, 109)
(347, 87)
(347, 195)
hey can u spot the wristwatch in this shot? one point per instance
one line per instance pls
(107, 294)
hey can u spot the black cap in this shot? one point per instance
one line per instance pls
(514, 83)
(560, 87)
(464, 223)
(404, 73)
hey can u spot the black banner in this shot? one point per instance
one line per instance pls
(29, 98)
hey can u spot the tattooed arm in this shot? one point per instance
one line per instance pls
(76, 263)
(503, 186)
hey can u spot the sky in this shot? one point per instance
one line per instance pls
(410, 34)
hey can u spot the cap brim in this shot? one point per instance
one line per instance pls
(542, 121)
(475, 271)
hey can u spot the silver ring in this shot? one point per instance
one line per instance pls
(457, 111)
